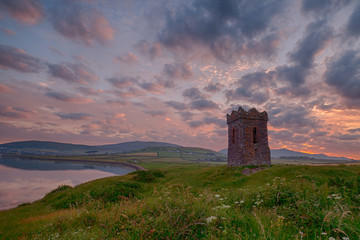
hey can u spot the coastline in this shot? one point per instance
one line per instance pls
(106, 163)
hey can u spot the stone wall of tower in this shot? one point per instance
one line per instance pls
(247, 138)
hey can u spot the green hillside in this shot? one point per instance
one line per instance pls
(198, 201)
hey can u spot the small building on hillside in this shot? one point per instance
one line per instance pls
(248, 138)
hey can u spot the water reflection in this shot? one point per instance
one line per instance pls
(28, 180)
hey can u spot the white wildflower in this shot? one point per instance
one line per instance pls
(217, 195)
(211, 219)
(331, 238)
(345, 238)
(324, 233)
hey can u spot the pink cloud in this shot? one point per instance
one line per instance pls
(82, 23)
(14, 112)
(127, 58)
(7, 31)
(65, 97)
(18, 59)
(25, 11)
(4, 89)
(72, 73)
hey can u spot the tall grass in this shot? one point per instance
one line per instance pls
(281, 202)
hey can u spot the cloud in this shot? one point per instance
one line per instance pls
(7, 31)
(223, 26)
(89, 91)
(354, 130)
(186, 115)
(14, 112)
(17, 59)
(65, 97)
(177, 70)
(122, 82)
(25, 11)
(193, 93)
(253, 88)
(150, 50)
(72, 73)
(322, 7)
(74, 116)
(220, 123)
(195, 124)
(4, 89)
(203, 104)
(317, 34)
(213, 87)
(295, 117)
(177, 105)
(343, 73)
(353, 26)
(155, 113)
(128, 58)
(348, 137)
(81, 23)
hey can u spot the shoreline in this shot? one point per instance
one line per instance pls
(106, 163)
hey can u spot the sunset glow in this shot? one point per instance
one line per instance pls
(102, 72)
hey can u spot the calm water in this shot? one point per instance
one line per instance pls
(24, 181)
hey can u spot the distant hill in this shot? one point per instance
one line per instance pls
(56, 148)
(281, 153)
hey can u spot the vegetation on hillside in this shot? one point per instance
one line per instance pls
(192, 201)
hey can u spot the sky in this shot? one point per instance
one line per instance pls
(109, 71)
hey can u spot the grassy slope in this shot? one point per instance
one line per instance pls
(198, 201)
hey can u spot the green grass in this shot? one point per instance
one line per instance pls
(197, 201)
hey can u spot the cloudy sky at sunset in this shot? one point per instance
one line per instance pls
(101, 72)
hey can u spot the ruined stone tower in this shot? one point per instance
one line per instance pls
(247, 138)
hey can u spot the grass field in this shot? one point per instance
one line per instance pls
(188, 200)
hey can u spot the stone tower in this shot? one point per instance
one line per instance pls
(247, 138)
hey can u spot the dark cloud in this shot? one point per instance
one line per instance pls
(220, 123)
(128, 58)
(74, 116)
(155, 113)
(177, 70)
(322, 7)
(25, 11)
(353, 26)
(343, 73)
(317, 34)
(177, 105)
(17, 59)
(203, 104)
(195, 124)
(224, 26)
(65, 97)
(348, 137)
(294, 117)
(149, 50)
(121, 82)
(354, 130)
(14, 112)
(166, 83)
(213, 87)
(186, 115)
(72, 73)
(253, 88)
(89, 91)
(79, 22)
(193, 93)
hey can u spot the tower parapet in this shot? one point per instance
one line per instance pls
(251, 114)
(247, 138)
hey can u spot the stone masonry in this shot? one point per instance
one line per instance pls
(247, 138)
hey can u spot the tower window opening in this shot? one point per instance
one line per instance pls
(254, 135)
(233, 135)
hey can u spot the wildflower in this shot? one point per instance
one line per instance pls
(211, 219)
(331, 238)
(217, 195)
(324, 233)
(221, 199)
(241, 201)
(345, 238)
